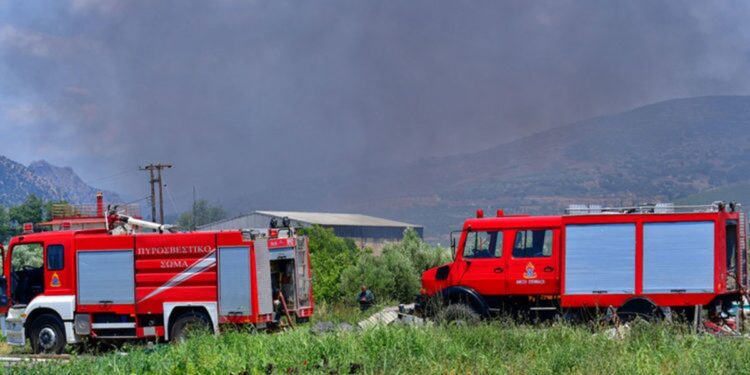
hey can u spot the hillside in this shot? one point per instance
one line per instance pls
(659, 152)
(18, 181)
(71, 185)
(739, 192)
(46, 181)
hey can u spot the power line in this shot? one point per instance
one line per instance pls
(171, 199)
(110, 176)
(138, 200)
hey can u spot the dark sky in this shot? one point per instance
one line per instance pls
(241, 95)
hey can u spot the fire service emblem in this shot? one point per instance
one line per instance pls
(530, 272)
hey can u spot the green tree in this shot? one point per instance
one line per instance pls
(5, 228)
(205, 213)
(30, 211)
(34, 211)
(391, 277)
(329, 256)
(395, 275)
(422, 255)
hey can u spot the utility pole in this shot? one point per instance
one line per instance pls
(150, 169)
(193, 221)
(154, 180)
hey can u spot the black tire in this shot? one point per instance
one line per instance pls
(639, 309)
(187, 324)
(302, 320)
(47, 334)
(459, 314)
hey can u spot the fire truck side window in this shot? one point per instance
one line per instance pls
(483, 245)
(55, 257)
(533, 244)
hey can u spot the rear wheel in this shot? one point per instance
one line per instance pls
(47, 334)
(460, 314)
(189, 324)
(639, 309)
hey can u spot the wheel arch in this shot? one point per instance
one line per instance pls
(455, 294)
(641, 305)
(638, 300)
(34, 314)
(172, 311)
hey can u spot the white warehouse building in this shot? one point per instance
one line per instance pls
(364, 230)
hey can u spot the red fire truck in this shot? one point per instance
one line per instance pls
(649, 260)
(115, 283)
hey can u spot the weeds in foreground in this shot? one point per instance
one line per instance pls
(485, 348)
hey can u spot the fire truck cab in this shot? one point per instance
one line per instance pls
(110, 284)
(645, 260)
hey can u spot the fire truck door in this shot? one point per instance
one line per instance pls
(234, 281)
(533, 262)
(483, 263)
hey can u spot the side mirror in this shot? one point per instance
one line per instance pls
(454, 242)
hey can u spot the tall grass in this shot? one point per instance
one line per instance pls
(487, 348)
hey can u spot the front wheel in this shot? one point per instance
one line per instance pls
(459, 314)
(47, 335)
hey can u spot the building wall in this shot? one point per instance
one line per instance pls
(245, 222)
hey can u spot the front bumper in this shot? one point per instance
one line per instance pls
(420, 304)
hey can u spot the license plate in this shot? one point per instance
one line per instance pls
(14, 334)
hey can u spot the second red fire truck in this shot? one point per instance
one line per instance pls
(115, 283)
(648, 260)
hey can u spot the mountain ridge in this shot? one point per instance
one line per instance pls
(46, 181)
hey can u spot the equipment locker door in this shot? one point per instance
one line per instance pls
(533, 262)
(263, 276)
(234, 281)
(105, 277)
(301, 274)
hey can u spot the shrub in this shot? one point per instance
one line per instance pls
(390, 276)
(394, 275)
(329, 256)
(422, 255)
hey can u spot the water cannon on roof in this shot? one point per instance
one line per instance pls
(119, 223)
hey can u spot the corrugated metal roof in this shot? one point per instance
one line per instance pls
(326, 218)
